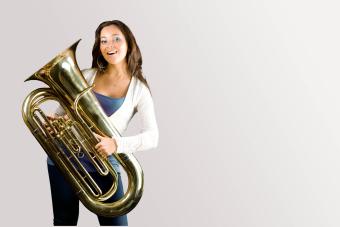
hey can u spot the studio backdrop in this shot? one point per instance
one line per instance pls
(246, 99)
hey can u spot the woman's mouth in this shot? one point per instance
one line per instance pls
(112, 52)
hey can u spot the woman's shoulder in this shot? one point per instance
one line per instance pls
(141, 92)
(89, 73)
(140, 87)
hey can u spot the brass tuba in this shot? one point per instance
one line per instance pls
(69, 88)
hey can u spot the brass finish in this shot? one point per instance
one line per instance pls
(68, 86)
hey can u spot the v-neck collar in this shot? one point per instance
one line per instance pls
(127, 93)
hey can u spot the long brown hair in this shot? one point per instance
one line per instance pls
(133, 55)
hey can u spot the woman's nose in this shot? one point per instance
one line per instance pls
(112, 45)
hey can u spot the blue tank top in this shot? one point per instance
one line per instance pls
(110, 105)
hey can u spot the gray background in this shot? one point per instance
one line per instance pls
(246, 96)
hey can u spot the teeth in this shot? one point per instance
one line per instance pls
(112, 52)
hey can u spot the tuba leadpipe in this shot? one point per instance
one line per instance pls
(68, 87)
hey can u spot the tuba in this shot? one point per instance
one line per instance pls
(68, 87)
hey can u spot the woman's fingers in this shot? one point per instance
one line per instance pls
(98, 137)
(47, 126)
(99, 146)
(54, 117)
(101, 151)
(51, 118)
(105, 145)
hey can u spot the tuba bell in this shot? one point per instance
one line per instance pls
(68, 87)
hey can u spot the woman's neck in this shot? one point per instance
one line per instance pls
(117, 72)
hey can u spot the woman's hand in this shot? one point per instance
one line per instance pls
(52, 118)
(106, 145)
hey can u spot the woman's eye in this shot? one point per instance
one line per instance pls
(103, 41)
(116, 39)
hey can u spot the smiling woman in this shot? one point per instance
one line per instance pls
(122, 91)
(112, 44)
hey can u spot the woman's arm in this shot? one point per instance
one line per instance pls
(148, 138)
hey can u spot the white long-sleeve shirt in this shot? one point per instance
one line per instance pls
(138, 99)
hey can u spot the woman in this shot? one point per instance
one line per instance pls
(122, 91)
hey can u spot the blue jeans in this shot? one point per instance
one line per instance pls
(66, 203)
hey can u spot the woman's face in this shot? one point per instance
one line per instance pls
(113, 45)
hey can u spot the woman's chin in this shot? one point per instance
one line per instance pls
(113, 61)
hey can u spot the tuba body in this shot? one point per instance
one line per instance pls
(68, 87)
